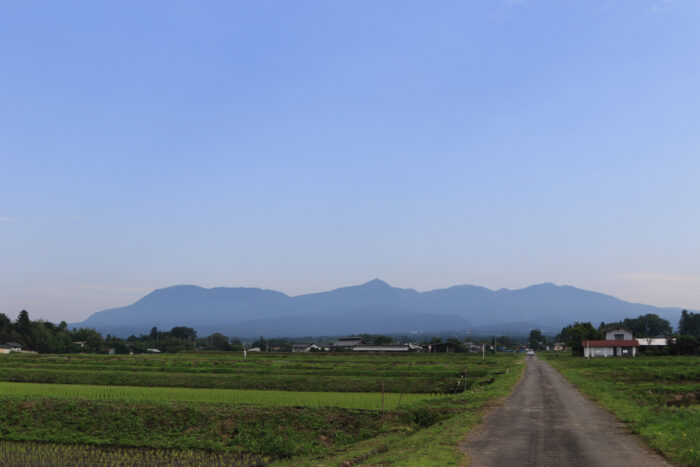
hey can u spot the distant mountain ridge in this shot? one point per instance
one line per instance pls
(372, 307)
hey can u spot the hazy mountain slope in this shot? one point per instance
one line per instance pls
(371, 307)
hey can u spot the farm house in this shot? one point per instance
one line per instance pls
(618, 343)
(305, 348)
(409, 347)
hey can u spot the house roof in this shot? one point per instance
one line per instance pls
(303, 346)
(13, 344)
(610, 343)
(347, 341)
(382, 348)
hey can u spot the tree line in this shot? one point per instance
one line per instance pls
(46, 337)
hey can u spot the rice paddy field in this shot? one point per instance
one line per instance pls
(658, 397)
(221, 409)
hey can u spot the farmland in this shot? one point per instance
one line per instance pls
(658, 397)
(287, 372)
(348, 400)
(269, 408)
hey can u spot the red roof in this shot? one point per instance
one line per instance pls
(632, 343)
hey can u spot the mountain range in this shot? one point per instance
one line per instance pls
(372, 307)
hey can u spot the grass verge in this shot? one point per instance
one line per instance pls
(657, 397)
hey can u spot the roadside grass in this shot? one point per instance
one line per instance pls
(658, 397)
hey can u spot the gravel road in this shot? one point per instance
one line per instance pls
(547, 422)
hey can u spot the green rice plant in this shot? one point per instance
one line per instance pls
(365, 401)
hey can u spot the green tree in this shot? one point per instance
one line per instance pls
(687, 344)
(218, 341)
(574, 334)
(23, 323)
(536, 340)
(183, 332)
(648, 325)
(5, 322)
(689, 324)
(94, 342)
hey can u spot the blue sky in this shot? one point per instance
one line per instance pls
(302, 146)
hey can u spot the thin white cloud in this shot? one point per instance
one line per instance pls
(7, 219)
(659, 6)
(658, 277)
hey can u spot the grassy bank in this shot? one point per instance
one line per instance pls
(658, 397)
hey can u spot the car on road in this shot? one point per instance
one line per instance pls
(529, 352)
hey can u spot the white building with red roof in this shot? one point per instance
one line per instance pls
(618, 343)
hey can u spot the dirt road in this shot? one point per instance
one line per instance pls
(547, 422)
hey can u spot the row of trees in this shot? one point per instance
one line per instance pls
(46, 337)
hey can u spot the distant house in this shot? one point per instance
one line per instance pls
(618, 343)
(346, 344)
(442, 347)
(152, 351)
(14, 346)
(80, 344)
(409, 347)
(4, 348)
(381, 348)
(305, 348)
(254, 349)
(558, 347)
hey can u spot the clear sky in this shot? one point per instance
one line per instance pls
(302, 146)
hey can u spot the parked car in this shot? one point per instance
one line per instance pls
(529, 352)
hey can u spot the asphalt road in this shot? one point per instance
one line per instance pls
(547, 422)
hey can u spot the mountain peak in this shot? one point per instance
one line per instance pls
(376, 283)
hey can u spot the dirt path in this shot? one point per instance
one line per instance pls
(547, 422)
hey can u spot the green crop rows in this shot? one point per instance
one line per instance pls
(356, 373)
(348, 400)
(217, 408)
